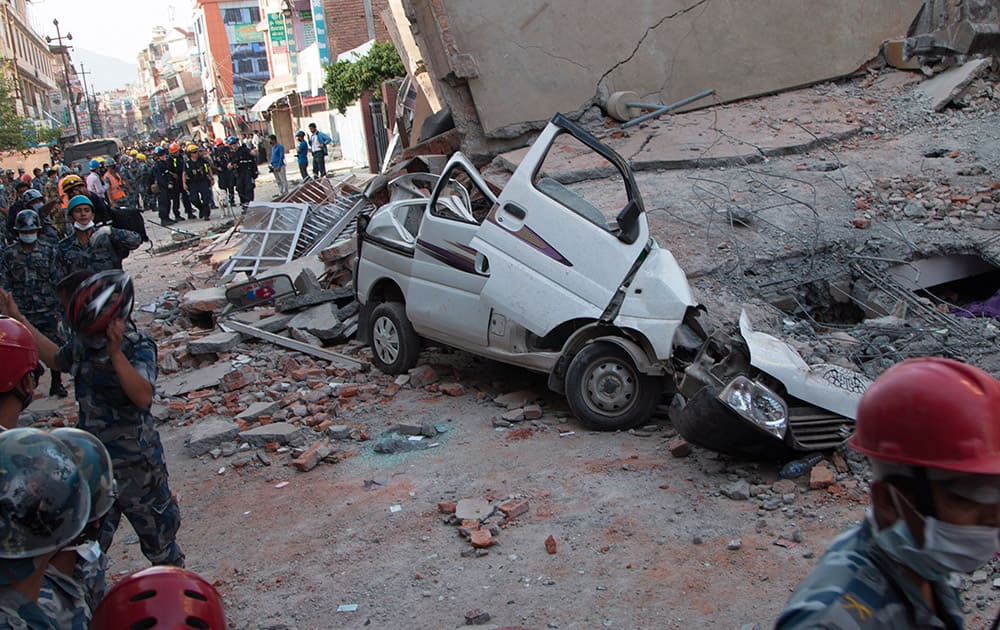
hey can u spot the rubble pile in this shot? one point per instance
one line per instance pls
(472, 518)
(937, 203)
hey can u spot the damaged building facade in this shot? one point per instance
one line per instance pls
(504, 69)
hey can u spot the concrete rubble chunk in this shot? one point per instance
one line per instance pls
(210, 433)
(321, 321)
(305, 337)
(202, 378)
(281, 432)
(339, 431)
(216, 343)
(472, 509)
(274, 323)
(294, 268)
(737, 491)
(517, 399)
(422, 376)
(941, 90)
(307, 282)
(321, 296)
(258, 409)
(210, 300)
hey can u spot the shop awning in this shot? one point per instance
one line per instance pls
(267, 101)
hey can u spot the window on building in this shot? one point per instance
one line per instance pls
(232, 16)
(254, 14)
(172, 83)
(180, 106)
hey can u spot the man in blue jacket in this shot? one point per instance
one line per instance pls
(317, 146)
(302, 154)
(278, 164)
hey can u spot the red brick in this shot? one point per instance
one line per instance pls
(390, 390)
(311, 457)
(679, 447)
(446, 507)
(514, 507)
(820, 477)
(550, 545)
(481, 538)
(451, 389)
(348, 391)
(468, 526)
(200, 393)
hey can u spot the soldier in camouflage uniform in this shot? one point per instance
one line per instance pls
(74, 580)
(88, 249)
(28, 270)
(114, 371)
(931, 428)
(44, 503)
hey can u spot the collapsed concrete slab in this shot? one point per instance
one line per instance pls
(321, 321)
(209, 433)
(941, 90)
(210, 376)
(215, 344)
(279, 432)
(210, 300)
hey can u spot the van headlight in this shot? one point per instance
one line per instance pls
(757, 404)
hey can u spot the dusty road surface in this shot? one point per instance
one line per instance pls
(621, 530)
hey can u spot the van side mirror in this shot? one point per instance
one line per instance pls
(628, 222)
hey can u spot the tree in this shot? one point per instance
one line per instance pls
(12, 126)
(346, 81)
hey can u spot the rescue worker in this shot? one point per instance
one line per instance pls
(28, 270)
(143, 181)
(245, 163)
(74, 581)
(114, 373)
(16, 206)
(72, 185)
(198, 180)
(44, 504)
(175, 171)
(302, 154)
(19, 371)
(165, 184)
(931, 429)
(114, 185)
(173, 598)
(130, 175)
(89, 249)
(33, 200)
(178, 165)
(223, 155)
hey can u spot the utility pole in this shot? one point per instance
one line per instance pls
(90, 113)
(69, 92)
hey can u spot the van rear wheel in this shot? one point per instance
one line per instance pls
(395, 345)
(606, 391)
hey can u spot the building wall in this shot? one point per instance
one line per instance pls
(347, 23)
(524, 61)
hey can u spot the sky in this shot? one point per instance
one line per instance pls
(113, 28)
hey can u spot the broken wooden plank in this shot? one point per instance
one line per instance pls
(340, 360)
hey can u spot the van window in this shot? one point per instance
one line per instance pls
(461, 199)
(596, 200)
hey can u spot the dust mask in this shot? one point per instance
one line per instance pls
(83, 227)
(28, 238)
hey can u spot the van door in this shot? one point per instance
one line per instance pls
(554, 249)
(443, 300)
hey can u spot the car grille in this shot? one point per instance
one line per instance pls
(815, 429)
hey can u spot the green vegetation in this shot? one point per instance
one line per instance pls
(346, 81)
(17, 133)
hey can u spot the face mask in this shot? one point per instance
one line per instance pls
(948, 548)
(27, 238)
(90, 551)
(83, 227)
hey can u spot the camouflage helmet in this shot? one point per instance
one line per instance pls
(94, 462)
(27, 221)
(44, 500)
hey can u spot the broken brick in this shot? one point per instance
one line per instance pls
(348, 391)
(861, 223)
(514, 507)
(820, 477)
(550, 545)
(312, 456)
(422, 376)
(451, 389)
(468, 526)
(679, 447)
(481, 538)
(446, 507)
(532, 412)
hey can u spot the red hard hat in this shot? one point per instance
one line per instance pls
(174, 147)
(20, 354)
(934, 413)
(161, 597)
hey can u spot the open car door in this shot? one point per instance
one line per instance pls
(554, 251)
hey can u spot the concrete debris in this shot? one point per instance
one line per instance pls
(943, 89)
(469, 509)
(215, 344)
(516, 399)
(210, 300)
(476, 617)
(313, 455)
(278, 432)
(255, 411)
(423, 375)
(210, 433)
(737, 491)
(209, 376)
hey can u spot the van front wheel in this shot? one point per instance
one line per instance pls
(395, 345)
(606, 391)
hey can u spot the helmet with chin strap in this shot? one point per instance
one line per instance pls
(99, 300)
